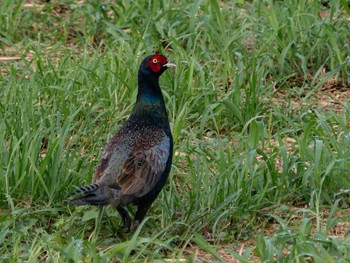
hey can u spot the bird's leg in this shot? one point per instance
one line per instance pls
(126, 220)
(140, 214)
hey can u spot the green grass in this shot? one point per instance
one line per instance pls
(255, 147)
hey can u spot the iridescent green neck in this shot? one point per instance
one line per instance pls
(148, 88)
(149, 98)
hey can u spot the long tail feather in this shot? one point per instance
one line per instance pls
(92, 195)
(89, 200)
(84, 189)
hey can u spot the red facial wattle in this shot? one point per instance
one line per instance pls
(156, 62)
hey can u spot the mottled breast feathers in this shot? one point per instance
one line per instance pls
(134, 160)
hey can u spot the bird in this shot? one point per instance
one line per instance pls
(137, 160)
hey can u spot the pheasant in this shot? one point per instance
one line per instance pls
(137, 160)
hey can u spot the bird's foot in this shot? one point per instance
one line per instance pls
(126, 226)
(135, 224)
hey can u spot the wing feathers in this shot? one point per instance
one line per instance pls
(143, 169)
(134, 164)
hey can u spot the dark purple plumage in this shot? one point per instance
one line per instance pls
(137, 160)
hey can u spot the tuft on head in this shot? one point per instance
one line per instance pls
(156, 62)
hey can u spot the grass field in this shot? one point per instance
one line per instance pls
(259, 109)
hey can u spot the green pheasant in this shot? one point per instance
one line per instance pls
(137, 160)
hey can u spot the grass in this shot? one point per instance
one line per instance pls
(259, 111)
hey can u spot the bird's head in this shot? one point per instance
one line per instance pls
(156, 64)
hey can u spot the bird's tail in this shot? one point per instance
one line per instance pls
(92, 194)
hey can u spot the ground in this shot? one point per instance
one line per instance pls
(211, 137)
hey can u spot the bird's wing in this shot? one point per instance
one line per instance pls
(145, 164)
(101, 167)
(117, 151)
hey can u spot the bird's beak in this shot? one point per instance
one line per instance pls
(170, 64)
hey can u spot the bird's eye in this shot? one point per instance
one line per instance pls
(155, 61)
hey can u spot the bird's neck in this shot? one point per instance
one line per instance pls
(149, 90)
(146, 113)
(149, 107)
